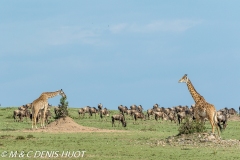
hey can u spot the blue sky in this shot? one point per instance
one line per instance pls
(120, 52)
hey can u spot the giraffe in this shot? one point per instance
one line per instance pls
(41, 104)
(202, 108)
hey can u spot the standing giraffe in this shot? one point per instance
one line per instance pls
(202, 108)
(41, 104)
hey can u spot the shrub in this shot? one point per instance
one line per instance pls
(30, 136)
(20, 138)
(191, 126)
(63, 108)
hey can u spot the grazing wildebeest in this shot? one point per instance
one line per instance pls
(222, 119)
(104, 112)
(20, 114)
(120, 118)
(139, 115)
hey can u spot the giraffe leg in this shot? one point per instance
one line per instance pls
(43, 118)
(35, 119)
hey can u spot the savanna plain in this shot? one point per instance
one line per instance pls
(135, 141)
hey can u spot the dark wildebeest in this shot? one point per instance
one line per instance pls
(20, 114)
(222, 119)
(93, 110)
(100, 106)
(120, 118)
(104, 112)
(139, 115)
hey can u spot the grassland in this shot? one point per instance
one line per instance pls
(139, 142)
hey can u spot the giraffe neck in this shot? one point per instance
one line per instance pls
(196, 96)
(50, 94)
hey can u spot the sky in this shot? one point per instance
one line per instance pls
(120, 52)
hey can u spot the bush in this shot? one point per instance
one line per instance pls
(20, 138)
(63, 108)
(30, 136)
(191, 126)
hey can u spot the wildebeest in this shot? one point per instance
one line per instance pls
(100, 106)
(48, 115)
(122, 108)
(120, 118)
(172, 117)
(140, 108)
(87, 110)
(81, 112)
(56, 110)
(137, 115)
(232, 111)
(160, 115)
(222, 119)
(133, 107)
(93, 110)
(20, 114)
(104, 112)
(150, 113)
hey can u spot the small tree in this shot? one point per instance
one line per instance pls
(63, 108)
(191, 126)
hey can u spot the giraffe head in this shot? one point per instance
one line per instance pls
(184, 79)
(62, 93)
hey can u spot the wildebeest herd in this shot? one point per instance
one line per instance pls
(174, 114)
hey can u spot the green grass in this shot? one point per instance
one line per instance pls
(140, 142)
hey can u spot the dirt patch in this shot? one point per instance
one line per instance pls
(68, 125)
